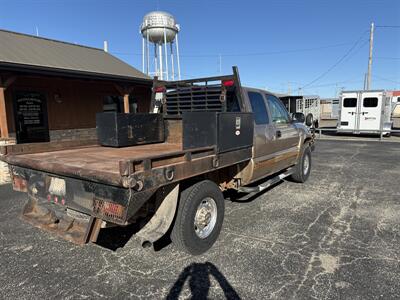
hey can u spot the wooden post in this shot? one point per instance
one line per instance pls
(3, 114)
(126, 103)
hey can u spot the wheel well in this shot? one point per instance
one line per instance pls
(224, 178)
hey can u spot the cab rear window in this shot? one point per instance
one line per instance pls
(349, 102)
(258, 107)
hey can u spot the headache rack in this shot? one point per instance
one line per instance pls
(213, 94)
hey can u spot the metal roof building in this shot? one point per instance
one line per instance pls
(36, 53)
(52, 89)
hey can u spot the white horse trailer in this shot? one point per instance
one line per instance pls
(308, 105)
(396, 109)
(364, 111)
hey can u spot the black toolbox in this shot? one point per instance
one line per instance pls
(122, 130)
(226, 131)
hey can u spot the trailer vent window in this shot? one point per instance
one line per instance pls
(350, 102)
(370, 102)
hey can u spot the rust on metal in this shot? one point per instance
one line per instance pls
(97, 163)
(69, 228)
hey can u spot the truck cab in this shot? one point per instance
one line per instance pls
(276, 135)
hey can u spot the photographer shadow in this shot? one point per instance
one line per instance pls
(198, 276)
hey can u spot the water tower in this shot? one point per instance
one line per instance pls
(160, 29)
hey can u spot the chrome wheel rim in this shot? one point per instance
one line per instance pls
(306, 165)
(205, 218)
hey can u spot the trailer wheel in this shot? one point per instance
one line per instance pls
(199, 218)
(303, 167)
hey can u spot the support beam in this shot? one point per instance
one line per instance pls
(3, 114)
(126, 103)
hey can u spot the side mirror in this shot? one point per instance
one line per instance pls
(298, 117)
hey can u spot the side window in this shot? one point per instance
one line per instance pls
(278, 112)
(370, 102)
(258, 107)
(349, 102)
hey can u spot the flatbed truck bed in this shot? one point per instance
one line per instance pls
(96, 163)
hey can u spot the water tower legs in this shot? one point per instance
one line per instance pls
(172, 61)
(166, 54)
(177, 57)
(161, 61)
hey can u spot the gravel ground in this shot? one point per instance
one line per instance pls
(335, 237)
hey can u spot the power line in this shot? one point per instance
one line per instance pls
(382, 57)
(388, 26)
(250, 53)
(386, 79)
(337, 62)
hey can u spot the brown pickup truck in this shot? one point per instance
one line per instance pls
(166, 170)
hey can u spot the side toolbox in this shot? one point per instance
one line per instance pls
(121, 130)
(227, 131)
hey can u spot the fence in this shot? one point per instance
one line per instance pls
(381, 132)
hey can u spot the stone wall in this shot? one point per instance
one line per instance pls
(73, 134)
(4, 174)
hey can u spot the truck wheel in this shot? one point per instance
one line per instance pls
(199, 218)
(303, 167)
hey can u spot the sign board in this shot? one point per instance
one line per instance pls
(31, 123)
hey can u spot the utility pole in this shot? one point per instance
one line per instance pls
(289, 91)
(371, 43)
(365, 81)
(105, 46)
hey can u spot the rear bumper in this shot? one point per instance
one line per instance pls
(48, 216)
(105, 202)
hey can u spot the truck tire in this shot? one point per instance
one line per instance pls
(303, 167)
(199, 218)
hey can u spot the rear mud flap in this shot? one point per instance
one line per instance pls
(55, 220)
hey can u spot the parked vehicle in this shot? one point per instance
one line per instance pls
(310, 106)
(396, 109)
(329, 108)
(169, 168)
(364, 111)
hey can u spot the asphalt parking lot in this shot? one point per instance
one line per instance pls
(335, 237)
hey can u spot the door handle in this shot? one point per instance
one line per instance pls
(278, 133)
(364, 112)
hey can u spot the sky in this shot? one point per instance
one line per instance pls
(301, 46)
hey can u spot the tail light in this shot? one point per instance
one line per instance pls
(160, 89)
(227, 83)
(20, 184)
(108, 209)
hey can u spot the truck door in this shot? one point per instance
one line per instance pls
(370, 110)
(349, 111)
(263, 129)
(286, 134)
